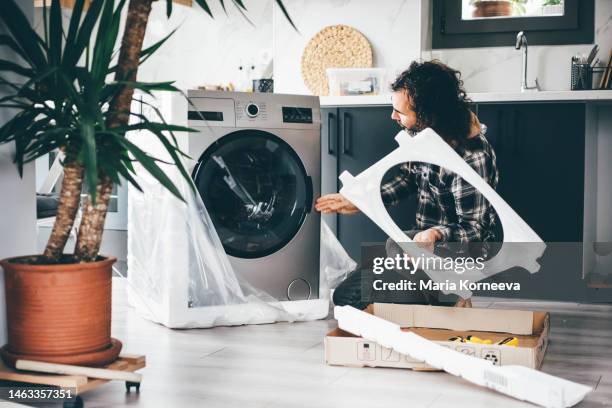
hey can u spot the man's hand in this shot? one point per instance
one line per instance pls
(426, 239)
(463, 303)
(335, 203)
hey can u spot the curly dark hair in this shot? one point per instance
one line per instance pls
(438, 99)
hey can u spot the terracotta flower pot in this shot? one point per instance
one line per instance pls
(59, 313)
(492, 8)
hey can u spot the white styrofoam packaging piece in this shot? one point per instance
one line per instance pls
(516, 381)
(427, 146)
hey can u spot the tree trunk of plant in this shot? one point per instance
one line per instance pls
(129, 58)
(70, 197)
(92, 224)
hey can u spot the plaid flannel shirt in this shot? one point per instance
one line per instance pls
(446, 202)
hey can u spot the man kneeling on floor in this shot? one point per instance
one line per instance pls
(449, 210)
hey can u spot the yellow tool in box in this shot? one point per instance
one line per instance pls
(508, 341)
(478, 340)
(470, 339)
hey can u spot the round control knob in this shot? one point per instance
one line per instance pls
(252, 110)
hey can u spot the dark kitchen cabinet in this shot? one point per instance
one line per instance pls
(540, 156)
(540, 149)
(353, 139)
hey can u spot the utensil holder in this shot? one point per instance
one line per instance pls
(263, 85)
(582, 77)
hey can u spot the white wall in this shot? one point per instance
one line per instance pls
(391, 26)
(17, 200)
(209, 51)
(499, 68)
(206, 50)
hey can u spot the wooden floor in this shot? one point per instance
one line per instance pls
(281, 365)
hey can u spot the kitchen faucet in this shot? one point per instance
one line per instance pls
(521, 41)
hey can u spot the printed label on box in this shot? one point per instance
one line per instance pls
(492, 355)
(366, 351)
(470, 351)
(388, 354)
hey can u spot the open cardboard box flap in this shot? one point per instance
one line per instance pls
(460, 319)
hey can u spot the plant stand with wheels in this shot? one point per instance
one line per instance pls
(79, 384)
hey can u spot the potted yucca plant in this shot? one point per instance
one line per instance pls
(71, 95)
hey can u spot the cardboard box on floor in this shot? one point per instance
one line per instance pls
(438, 324)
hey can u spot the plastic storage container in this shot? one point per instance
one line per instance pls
(355, 81)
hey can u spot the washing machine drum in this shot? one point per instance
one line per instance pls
(256, 191)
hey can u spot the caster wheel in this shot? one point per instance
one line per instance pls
(77, 403)
(129, 385)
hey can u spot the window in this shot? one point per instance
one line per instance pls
(473, 9)
(485, 23)
(116, 218)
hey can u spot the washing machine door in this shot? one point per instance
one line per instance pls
(256, 191)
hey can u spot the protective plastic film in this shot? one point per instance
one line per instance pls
(179, 274)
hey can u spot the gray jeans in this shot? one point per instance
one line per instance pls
(357, 290)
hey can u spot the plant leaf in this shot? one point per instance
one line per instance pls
(147, 52)
(242, 10)
(280, 4)
(108, 31)
(13, 67)
(125, 173)
(240, 4)
(75, 20)
(149, 164)
(75, 49)
(55, 33)
(9, 42)
(19, 27)
(204, 5)
(89, 156)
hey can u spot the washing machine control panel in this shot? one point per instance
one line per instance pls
(252, 110)
(292, 114)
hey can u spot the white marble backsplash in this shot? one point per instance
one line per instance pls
(205, 50)
(391, 26)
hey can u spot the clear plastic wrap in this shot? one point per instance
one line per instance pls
(179, 274)
(335, 262)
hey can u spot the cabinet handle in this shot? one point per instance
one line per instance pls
(516, 132)
(346, 133)
(500, 129)
(330, 133)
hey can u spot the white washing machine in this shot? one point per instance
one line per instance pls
(257, 168)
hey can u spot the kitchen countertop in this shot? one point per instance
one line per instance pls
(373, 100)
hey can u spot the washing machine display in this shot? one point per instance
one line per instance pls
(256, 190)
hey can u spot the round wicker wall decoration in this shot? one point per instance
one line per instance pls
(337, 46)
